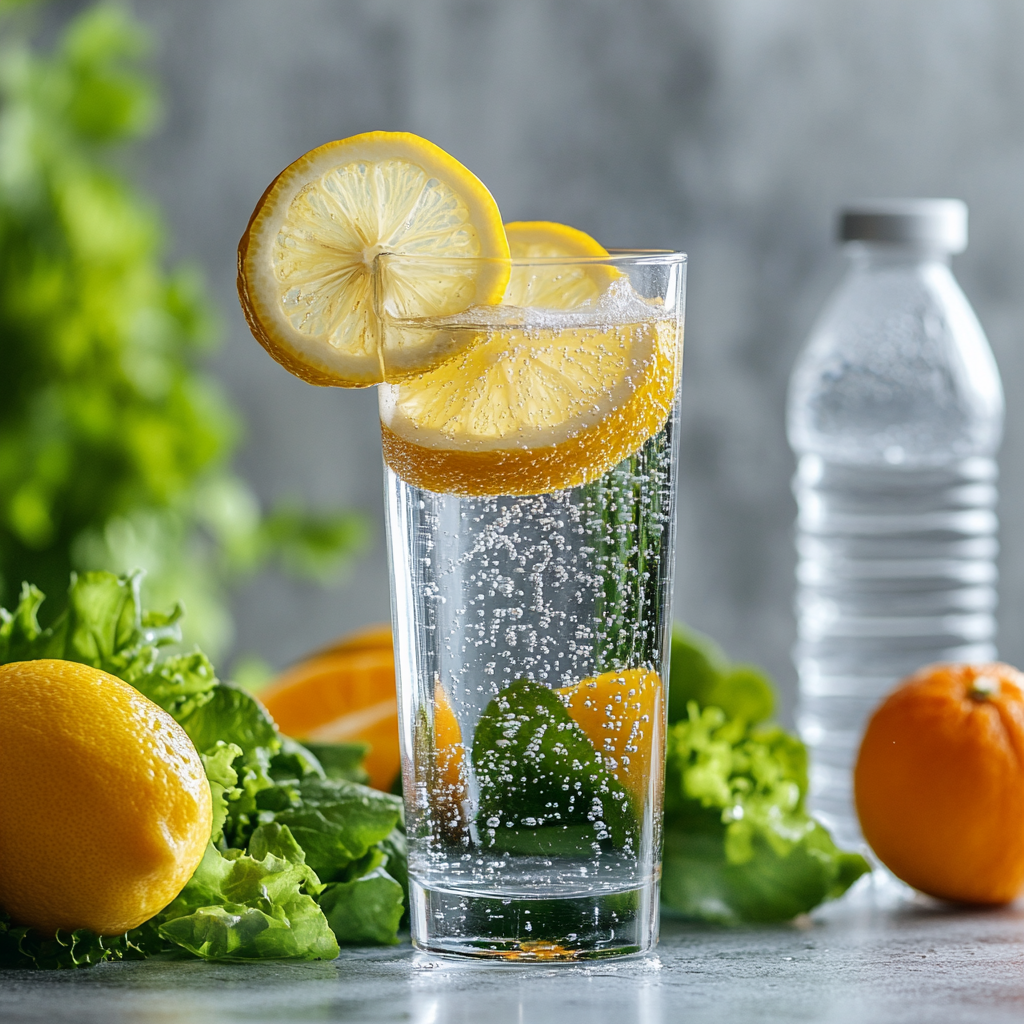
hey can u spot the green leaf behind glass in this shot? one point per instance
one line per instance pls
(701, 672)
(739, 843)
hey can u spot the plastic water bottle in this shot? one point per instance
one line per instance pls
(895, 414)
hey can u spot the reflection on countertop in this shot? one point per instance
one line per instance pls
(853, 961)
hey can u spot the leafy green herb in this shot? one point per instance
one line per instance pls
(700, 671)
(281, 826)
(543, 786)
(223, 779)
(114, 443)
(336, 822)
(252, 906)
(739, 843)
(395, 850)
(341, 760)
(628, 525)
(365, 911)
(230, 715)
(24, 947)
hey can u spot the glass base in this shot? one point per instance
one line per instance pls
(493, 927)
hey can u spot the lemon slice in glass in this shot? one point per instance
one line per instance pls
(531, 412)
(306, 260)
(550, 395)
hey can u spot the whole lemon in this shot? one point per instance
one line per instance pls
(105, 810)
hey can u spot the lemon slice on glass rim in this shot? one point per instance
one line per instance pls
(306, 261)
(543, 401)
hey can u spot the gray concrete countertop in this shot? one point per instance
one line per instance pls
(914, 962)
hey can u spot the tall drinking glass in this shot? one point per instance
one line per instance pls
(530, 483)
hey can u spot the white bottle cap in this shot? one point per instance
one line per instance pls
(936, 223)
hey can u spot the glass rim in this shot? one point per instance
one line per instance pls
(615, 257)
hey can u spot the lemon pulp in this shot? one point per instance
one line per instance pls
(306, 263)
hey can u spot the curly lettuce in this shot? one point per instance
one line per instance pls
(739, 842)
(301, 858)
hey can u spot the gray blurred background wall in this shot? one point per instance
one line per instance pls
(729, 128)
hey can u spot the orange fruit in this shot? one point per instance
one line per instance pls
(344, 694)
(448, 789)
(939, 782)
(375, 637)
(309, 281)
(105, 810)
(621, 714)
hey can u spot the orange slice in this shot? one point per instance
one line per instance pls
(621, 714)
(373, 637)
(343, 695)
(448, 789)
(306, 261)
(346, 693)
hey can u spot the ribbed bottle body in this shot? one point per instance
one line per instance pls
(896, 569)
(895, 415)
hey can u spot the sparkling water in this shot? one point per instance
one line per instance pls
(553, 588)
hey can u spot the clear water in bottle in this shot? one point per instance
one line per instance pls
(895, 415)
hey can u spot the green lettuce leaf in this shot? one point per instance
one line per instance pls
(254, 895)
(294, 761)
(739, 843)
(21, 638)
(252, 906)
(104, 626)
(543, 787)
(342, 760)
(395, 849)
(179, 683)
(365, 911)
(701, 672)
(25, 947)
(223, 779)
(335, 822)
(231, 715)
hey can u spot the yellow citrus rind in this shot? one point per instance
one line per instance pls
(543, 238)
(307, 259)
(105, 810)
(421, 421)
(551, 285)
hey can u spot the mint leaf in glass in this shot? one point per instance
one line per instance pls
(543, 787)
